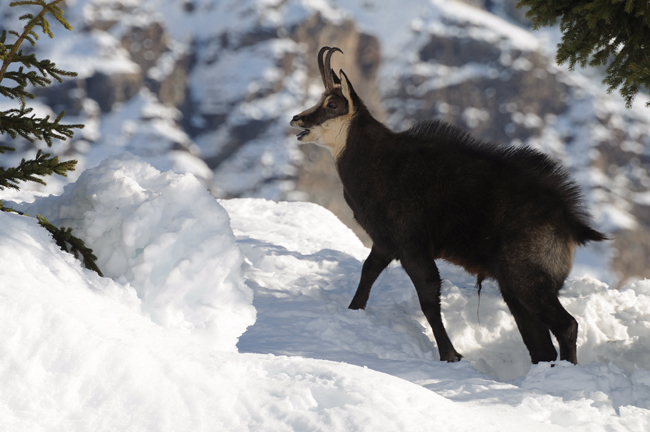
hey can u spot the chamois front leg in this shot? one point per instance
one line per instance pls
(424, 273)
(376, 262)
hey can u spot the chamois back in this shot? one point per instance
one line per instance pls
(527, 164)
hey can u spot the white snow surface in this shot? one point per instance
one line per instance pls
(83, 353)
(164, 236)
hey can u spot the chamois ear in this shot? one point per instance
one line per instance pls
(346, 88)
(337, 80)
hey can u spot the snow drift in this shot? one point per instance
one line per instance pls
(167, 237)
(73, 359)
(142, 349)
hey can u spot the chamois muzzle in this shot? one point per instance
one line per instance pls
(296, 122)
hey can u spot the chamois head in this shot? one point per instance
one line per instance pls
(327, 122)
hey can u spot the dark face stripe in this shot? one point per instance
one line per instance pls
(319, 113)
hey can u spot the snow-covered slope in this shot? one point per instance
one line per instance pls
(75, 359)
(84, 353)
(304, 266)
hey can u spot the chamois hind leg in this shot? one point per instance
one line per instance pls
(424, 274)
(535, 334)
(538, 292)
(376, 262)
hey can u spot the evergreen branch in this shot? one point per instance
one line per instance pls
(58, 15)
(45, 67)
(21, 122)
(4, 149)
(10, 210)
(30, 40)
(28, 170)
(71, 244)
(34, 21)
(26, 16)
(615, 33)
(18, 122)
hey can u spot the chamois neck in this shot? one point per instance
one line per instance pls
(366, 137)
(368, 128)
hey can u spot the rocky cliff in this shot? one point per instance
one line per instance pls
(209, 86)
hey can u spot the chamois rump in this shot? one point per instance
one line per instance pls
(434, 192)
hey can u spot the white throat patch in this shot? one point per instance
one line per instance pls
(332, 134)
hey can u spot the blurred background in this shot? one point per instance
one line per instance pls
(209, 86)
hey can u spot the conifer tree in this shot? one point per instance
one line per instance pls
(22, 122)
(612, 33)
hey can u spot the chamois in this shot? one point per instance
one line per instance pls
(434, 192)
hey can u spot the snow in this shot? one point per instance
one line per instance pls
(97, 52)
(166, 237)
(138, 350)
(74, 359)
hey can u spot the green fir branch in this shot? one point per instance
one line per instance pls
(41, 76)
(10, 210)
(611, 33)
(17, 122)
(45, 70)
(71, 244)
(33, 21)
(4, 149)
(33, 169)
(22, 122)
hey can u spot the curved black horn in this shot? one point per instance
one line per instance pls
(321, 66)
(328, 70)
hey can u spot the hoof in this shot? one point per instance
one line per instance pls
(451, 357)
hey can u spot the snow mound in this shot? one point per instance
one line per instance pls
(167, 237)
(72, 359)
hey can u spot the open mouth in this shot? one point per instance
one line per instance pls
(303, 133)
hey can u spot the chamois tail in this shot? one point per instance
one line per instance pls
(586, 234)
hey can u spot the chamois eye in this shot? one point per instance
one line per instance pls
(332, 105)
